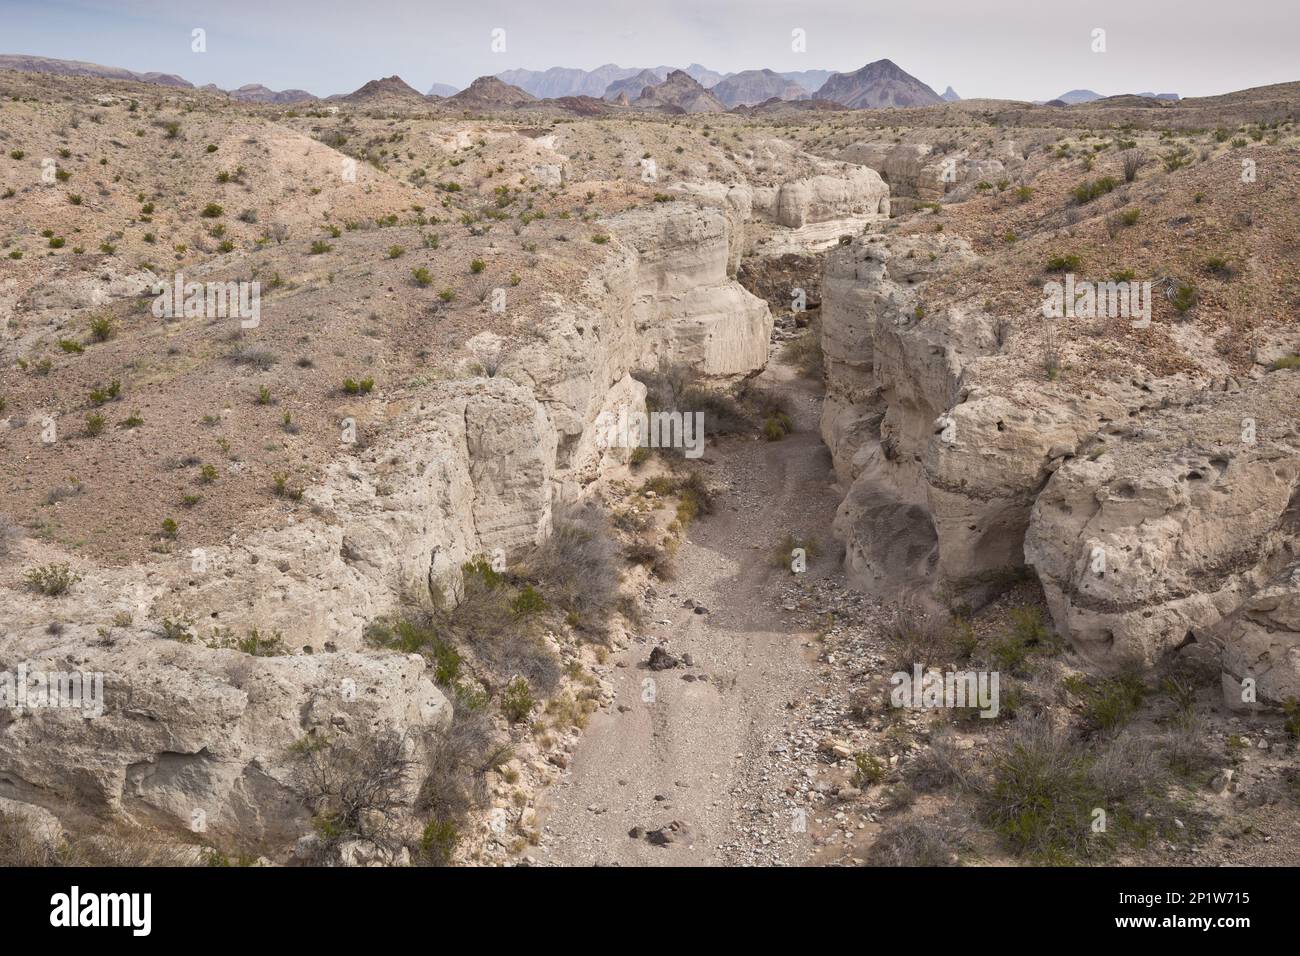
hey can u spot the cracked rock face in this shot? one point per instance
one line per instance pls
(1172, 528)
(197, 739)
(1261, 643)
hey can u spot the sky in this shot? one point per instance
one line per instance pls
(1012, 49)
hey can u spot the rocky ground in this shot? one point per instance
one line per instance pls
(688, 766)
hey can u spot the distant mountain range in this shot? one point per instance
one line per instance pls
(45, 64)
(881, 84)
(610, 80)
(1087, 96)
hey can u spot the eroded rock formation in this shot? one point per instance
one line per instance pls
(1155, 511)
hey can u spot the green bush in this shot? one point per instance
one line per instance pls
(1040, 797)
(1089, 190)
(363, 387)
(868, 770)
(1064, 263)
(517, 702)
(52, 580)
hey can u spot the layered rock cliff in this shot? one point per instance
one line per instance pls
(1155, 511)
(476, 469)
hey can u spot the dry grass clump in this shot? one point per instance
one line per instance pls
(576, 570)
(922, 842)
(24, 844)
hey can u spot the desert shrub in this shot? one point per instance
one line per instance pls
(102, 395)
(650, 556)
(1111, 703)
(1133, 161)
(10, 534)
(262, 645)
(804, 352)
(1028, 634)
(939, 765)
(1040, 795)
(678, 388)
(416, 635)
(176, 629)
(914, 843)
(1219, 266)
(353, 787)
(1063, 263)
(517, 702)
(459, 759)
(506, 643)
(101, 328)
(1089, 190)
(781, 556)
(528, 601)
(21, 844)
(776, 426)
(576, 567)
(261, 359)
(1182, 296)
(1291, 710)
(1183, 749)
(353, 387)
(868, 770)
(694, 497)
(52, 580)
(921, 637)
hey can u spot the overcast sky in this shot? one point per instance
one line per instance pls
(1022, 49)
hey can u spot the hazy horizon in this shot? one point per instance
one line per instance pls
(1158, 46)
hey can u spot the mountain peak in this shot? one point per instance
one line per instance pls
(879, 84)
(491, 92)
(386, 88)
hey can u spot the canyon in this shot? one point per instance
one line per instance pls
(273, 559)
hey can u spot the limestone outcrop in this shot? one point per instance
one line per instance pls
(476, 468)
(1155, 511)
(809, 209)
(1158, 536)
(1261, 642)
